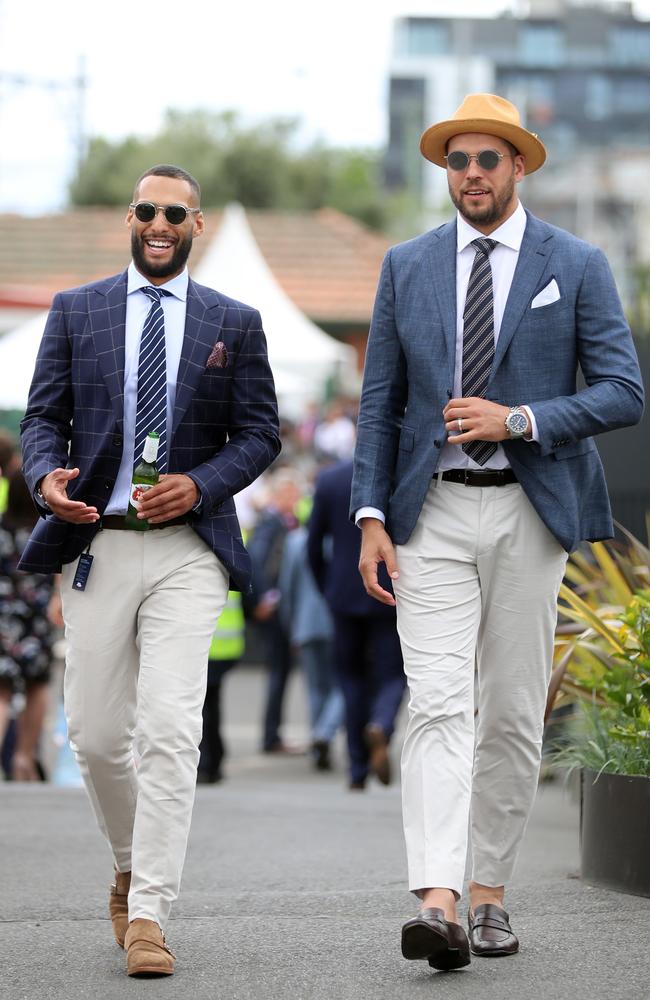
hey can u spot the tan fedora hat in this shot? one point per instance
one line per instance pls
(489, 114)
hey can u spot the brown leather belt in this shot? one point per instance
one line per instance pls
(480, 477)
(117, 522)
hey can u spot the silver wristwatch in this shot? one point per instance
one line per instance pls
(516, 422)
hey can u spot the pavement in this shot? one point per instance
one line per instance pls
(294, 888)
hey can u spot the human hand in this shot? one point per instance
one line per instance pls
(54, 488)
(480, 420)
(376, 547)
(172, 496)
(267, 606)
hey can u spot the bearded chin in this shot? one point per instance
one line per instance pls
(175, 265)
(491, 213)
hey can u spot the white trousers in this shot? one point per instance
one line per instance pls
(478, 586)
(136, 665)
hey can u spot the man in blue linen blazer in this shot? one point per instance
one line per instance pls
(481, 543)
(410, 363)
(140, 625)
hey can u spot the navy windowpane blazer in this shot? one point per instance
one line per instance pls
(225, 430)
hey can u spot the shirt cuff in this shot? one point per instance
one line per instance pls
(368, 512)
(534, 433)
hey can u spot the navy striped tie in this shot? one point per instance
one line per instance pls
(151, 409)
(478, 338)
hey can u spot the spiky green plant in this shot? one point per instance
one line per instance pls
(603, 658)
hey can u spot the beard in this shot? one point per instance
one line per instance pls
(491, 213)
(149, 270)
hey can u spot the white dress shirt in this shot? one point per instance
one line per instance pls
(503, 261)
(137, 308)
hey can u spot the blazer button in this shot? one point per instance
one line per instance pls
(437, 443)
(117, 440)
(107, 486)
(449, 393)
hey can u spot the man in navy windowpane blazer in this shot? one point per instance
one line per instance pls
(139, 626)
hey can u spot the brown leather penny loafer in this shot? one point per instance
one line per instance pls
(146, 951)
(442, 943)
(490, 934)
(118, 905)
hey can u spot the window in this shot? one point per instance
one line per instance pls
(541, 44)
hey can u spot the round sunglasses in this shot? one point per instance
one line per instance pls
(146, 211)
(487, 159)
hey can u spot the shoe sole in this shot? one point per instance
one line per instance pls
(150, 973)
(496, 953)
(421, 942)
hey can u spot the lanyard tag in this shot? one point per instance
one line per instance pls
(84, 567)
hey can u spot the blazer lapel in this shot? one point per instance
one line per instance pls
(203, 321)
(535, 250)
(107, 319)
(442, 256)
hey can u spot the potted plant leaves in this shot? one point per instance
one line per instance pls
(603, 668)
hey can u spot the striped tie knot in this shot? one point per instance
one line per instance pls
(155, 294)
(484, 245)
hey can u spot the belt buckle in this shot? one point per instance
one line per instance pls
(466, 474)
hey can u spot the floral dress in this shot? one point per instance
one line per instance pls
(25, 632)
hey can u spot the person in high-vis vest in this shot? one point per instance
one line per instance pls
(226, 650)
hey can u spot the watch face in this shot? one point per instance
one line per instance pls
(517, 423)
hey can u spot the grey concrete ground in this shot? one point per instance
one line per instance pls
(294, 889)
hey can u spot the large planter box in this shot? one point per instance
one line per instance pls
(615, 831)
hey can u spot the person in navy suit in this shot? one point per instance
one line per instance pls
(367, 650)
(140, 622)
(475, 474)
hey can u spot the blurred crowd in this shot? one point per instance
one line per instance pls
(307, 613)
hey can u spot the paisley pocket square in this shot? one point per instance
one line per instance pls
(218, 356)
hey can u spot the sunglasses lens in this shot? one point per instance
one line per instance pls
(145, 211)
(457, 160)
(175, 214)
(488, 159)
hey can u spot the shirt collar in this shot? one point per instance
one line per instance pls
(176, 286)
(510, 233)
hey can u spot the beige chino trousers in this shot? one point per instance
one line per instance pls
(136, 666)
(478, 584)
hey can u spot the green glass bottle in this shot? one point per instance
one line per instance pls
(145, 475)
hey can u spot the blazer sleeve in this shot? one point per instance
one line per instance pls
(46, 427)
(253, 429)
(613, 396)
(317, 529)
(383, 400)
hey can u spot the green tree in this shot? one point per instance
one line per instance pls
(260, 166)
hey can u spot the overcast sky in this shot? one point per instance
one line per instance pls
(325, 63)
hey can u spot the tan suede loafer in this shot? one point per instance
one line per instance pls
(118, 905)
(146, 951)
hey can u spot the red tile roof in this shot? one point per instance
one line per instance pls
(327, 262)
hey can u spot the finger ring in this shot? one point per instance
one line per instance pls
(460, 425)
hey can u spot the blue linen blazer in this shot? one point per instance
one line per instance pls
(409, 373)
(225, 424)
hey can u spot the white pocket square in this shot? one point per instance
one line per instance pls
(550, 293)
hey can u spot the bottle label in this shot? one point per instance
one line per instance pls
(150, 450)
(137, 492)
